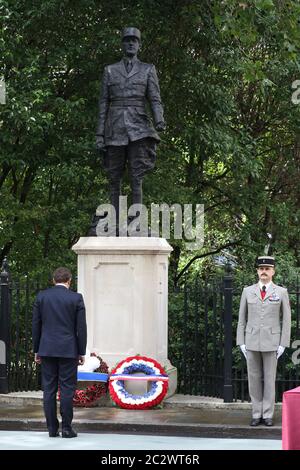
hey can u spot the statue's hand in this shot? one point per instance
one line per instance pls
(100, 142)
(160, 126)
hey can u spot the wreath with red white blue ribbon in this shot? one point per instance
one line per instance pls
(89, 395)
(154, 373)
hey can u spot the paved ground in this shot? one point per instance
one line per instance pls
(181, 415)
(16, 440)
(196, 422)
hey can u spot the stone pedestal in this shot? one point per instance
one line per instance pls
(124, 281)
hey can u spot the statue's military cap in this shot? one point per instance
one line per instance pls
(265, 261)
(131, 32)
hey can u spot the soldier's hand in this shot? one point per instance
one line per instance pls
(244, 350)
(160, 126)
(100, 142)
(280, 351)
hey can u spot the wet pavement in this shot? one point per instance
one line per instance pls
(16, 440)
(208, 422)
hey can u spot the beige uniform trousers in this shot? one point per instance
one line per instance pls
(261, 381)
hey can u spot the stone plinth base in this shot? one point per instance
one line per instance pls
(124, 281)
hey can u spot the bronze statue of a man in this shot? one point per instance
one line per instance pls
(125, 131)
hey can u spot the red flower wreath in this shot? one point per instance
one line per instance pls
(87, 397)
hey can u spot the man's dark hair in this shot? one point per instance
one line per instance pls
(62, 275)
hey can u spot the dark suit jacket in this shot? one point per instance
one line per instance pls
(59, 323)
(122, 113)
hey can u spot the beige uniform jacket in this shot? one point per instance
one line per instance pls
(264, 324)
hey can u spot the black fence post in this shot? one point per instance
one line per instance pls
(4, 327)
(228, 293)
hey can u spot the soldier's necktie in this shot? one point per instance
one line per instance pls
(263, 292)
(129, 66)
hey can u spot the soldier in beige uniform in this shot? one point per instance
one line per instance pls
(263, 333)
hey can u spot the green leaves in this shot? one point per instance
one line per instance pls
(225, 71)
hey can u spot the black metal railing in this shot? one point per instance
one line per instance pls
(18, 371)
(203, 317)
(16, 301)
(5, 307)
(23, 371)
(196, 336)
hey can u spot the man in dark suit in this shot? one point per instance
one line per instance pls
(59, 336)
(125, 130)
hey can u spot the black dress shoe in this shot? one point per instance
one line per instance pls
(255, 421)
(69, 433)
(268, 422)
(54, 434)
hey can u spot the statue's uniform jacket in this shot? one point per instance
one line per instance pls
(122, 114)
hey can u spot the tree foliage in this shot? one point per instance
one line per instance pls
(226, 70)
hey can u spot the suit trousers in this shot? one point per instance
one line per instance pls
(261, 381)
(62, 372)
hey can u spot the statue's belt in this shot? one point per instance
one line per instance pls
(127, 102)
